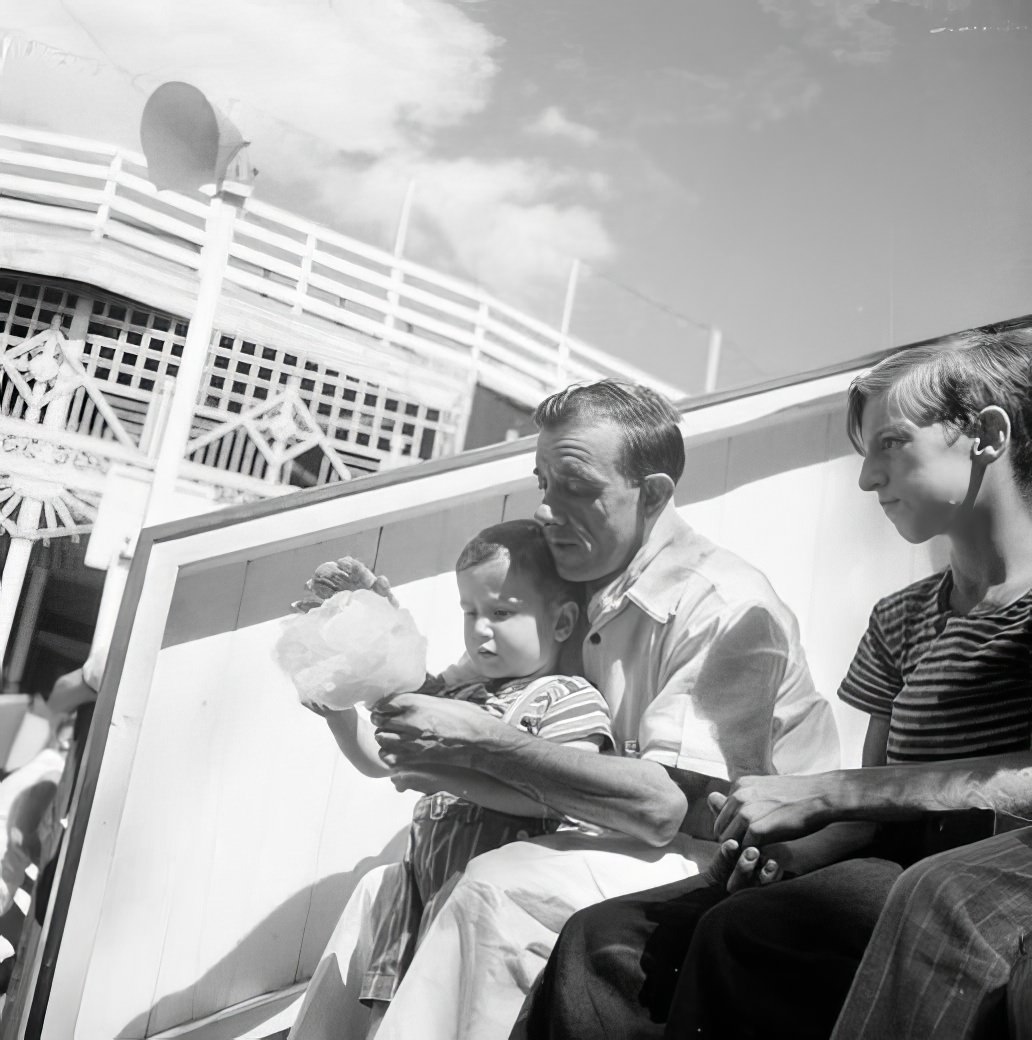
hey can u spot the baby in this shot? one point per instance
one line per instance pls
(518, 614)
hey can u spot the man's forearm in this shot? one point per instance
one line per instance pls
(628, 795)
(1002, 782)
(475, 786)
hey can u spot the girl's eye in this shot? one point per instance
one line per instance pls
(888, 443)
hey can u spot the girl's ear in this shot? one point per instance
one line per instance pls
(566, 621)
(992, 433)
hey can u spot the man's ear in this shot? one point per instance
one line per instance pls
(658, 489)
(992, 433)
(566, 621)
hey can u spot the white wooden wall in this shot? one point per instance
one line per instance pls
(227, 831)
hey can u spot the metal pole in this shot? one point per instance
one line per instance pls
(713, 360)
(563, 362)
(218, 236)
(403, 219)
(394, 292)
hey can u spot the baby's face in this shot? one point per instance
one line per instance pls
(509, 628)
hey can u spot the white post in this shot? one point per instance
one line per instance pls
(26, 628)
(563, 362)
(217, 239)
(394, 292)
(713, 360)
(107, 615)
(15, 568)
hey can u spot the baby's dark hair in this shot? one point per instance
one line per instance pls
(950, 382)
(523, 543)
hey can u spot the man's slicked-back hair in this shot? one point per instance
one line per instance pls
(652, 439)
(522, 543)
(950, 382)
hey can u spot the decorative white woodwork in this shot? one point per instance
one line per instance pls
(50, 178)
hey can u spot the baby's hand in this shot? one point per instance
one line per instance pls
(344, 575)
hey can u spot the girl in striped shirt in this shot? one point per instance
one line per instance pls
(518, 613)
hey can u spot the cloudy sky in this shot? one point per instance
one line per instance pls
(819, 178)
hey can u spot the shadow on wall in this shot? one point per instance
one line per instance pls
(333, 891)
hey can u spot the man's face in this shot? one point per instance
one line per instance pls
(593, 516)
(922, 475)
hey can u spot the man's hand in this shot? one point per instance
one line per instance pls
(344, 575)
(414, 725)
(747, 870)
(764, 809)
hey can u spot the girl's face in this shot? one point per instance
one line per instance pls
(924, 482)
(510, 630)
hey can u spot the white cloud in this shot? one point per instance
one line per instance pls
(501, 223)
(777, 86)
(842, 28)
(552, 123)
(344, 102)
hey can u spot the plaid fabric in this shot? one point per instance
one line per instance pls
(940, 957)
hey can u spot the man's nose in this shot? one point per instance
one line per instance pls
(546, 515)
(872, 476)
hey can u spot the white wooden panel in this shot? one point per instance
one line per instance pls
(426, 545)
(859, 559)
(275, 580)
(520, 505)
(239, 807)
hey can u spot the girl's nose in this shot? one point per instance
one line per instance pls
(872, 476)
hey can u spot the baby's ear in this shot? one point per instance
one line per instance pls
(566, 621)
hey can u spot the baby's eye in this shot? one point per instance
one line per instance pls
(500, 613)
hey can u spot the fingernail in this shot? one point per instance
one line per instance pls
(751, 854)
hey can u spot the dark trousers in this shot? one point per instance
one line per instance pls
(686, 960)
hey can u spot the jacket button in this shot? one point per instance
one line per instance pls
(595, 638)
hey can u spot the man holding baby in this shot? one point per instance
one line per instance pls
(706, 680)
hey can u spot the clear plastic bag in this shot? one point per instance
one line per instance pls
(356, 647)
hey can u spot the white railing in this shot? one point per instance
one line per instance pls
(65, 181)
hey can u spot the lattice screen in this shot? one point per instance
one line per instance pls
(25, 309)
(131, 348)
(361, 416)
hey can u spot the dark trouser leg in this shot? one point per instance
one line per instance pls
(778, 961)
(613, 971)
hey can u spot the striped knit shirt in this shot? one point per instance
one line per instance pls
(561, 708)
(952, 685)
